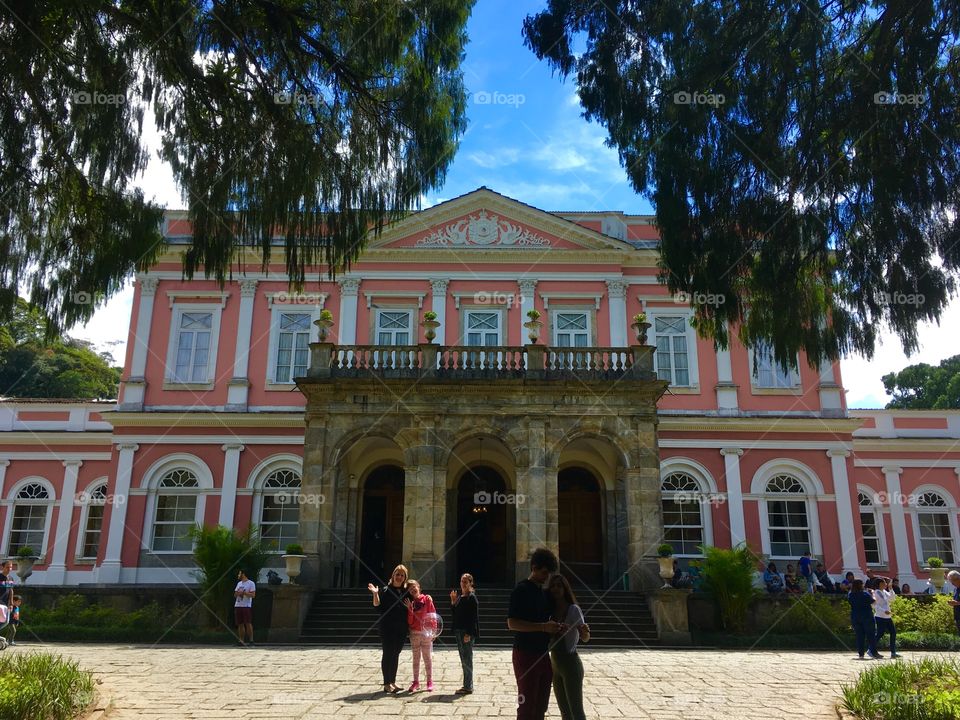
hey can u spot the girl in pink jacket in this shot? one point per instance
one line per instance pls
(422, 619)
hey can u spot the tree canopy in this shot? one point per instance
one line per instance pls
(34, 366)
(803, 157)
(317, 122)
(923, 386)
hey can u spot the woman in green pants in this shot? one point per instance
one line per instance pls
(567, 668)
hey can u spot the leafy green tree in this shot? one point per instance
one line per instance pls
(728, 575)
(320, 121)
(923, 386)
(219, 553)
(803, 157)
(35, 367)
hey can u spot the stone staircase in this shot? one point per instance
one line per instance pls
(347, 617)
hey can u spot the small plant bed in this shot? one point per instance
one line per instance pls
(924, 690)
(771, 641)
(43, 686)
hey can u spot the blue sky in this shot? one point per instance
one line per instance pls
(526, 139)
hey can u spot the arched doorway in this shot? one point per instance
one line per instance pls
(483, 506)
(581, 527)
(381, 533)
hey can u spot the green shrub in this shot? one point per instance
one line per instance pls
(935, 616)
(924, 690)
(294, 549)
(84, 634)
(219, 553)
(934, 562)
(39, 685)
(665, 550)
(728, 576)
(911, 640)
(808, 613)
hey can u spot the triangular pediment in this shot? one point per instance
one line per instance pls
(486, 220)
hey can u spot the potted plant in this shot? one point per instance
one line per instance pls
(430, 324)
(641, 326)
(533, 325)
(323, 324)
(293, 558)
(665, 557)
(936, 570)
(26, 557)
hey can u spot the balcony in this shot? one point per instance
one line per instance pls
(462, 362)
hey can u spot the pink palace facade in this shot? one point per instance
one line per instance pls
(211, 425)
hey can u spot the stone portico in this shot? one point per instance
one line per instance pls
(464, 459)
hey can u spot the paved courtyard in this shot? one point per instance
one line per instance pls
(287, 682)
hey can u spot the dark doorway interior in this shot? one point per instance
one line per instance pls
(581, 536)
(381, 534)
(482, 508)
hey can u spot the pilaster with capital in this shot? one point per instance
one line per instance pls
(527, 288)
(731, 466)
(898, 522)
(617, 299)
(844, 504)
(317, 504)
(438, 304)
(349, 291)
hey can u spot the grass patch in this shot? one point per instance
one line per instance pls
(925, 690)
(911, 640)
(42, 686)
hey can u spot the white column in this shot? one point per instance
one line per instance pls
(239, 385)
(617, 301)
(845, 517)
(228, 492)
(726, 388)
(439, 306)
(527, 303)
(731, 463)
(898, 521)
(831, 394)
(349, 289)
(57, 572)
(109, 571)
(135, 386)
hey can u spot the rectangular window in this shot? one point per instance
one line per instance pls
(789, 529)
(571, 329)
(767, 373)
(176, 514)
(683, 526)
(672, 358)
(280, 520)
(93, 531)
(871, 537)
(393, 327)
(293, 346)
(482, 328)
(193, 347)
(935, 537)
(27, 530)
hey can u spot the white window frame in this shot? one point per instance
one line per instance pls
(179, 309)
(467, 311)
(693, 364)
(813, 490)
(877, 512)
(150, 483)
(794, 378)
(265, 493)
(413, 330)
(85, 506)
(12, 506)
(555, 312)
(707, 493)
(273, 351)
(258, 476)
(949, 510)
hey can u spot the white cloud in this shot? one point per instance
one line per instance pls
(497, 159)
(108, 328)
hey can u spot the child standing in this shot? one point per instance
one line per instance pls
(466, 626)
(882, 597)
(422, 632)
(15, 618)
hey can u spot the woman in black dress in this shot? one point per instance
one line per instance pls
(393, 624)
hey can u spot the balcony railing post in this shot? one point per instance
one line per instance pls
(642, 360)
(428, 359)
(535, 360)
(321, 355)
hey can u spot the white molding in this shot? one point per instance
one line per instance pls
(879, 512)
(286, 299)
(228, 489)
(924, 463)
(49, 504)
(54, 455)
(708, 491)
(84, 517)
(693, 360)
(898, 521)
(565, 295)
(172, 344)
(394, 294)
(734, 483)
(813, 494)
(174, 295)
(217, 439)
(274, 339)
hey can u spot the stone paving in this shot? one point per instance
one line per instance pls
(295, 682)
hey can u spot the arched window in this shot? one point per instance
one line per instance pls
(870, 525)
(95, 503)
(176, 511)
(683, 503)
(787, 520)
(280, 516)
(31, 509)
(933, 523)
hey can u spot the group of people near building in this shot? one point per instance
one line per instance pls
(543, 614)
(9, 602)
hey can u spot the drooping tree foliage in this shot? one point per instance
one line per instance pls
(923, 386)
(312, 121)
(803, 157)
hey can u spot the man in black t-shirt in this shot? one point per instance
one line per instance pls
(529, 618)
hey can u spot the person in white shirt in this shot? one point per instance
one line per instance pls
(883, 596)
(243, 606)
